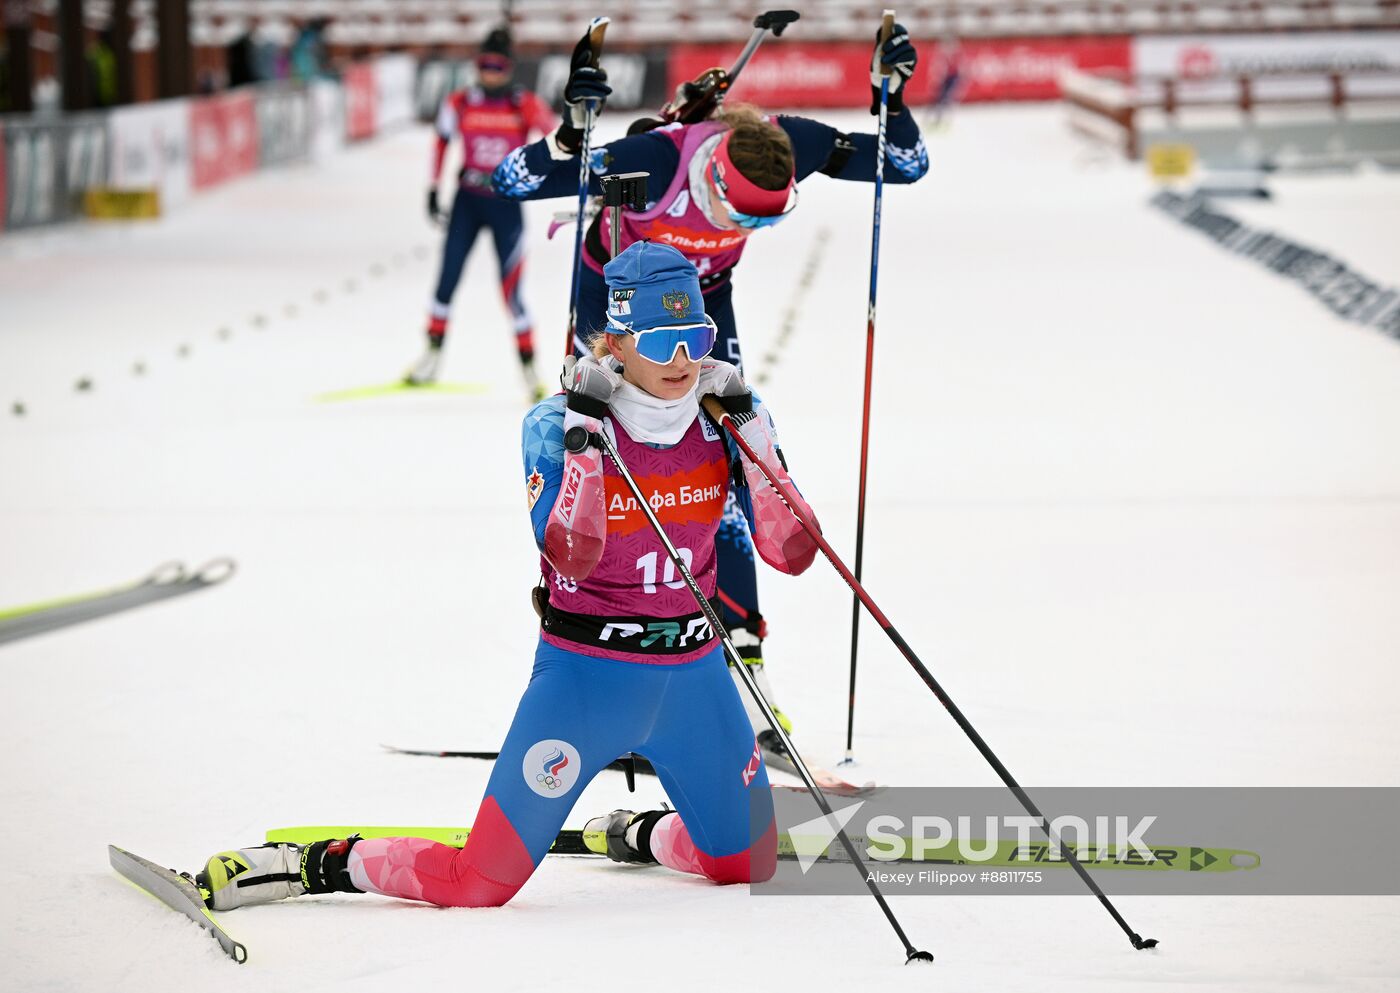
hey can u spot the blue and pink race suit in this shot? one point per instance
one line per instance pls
(678, 214)
(489, 126)
(622, 666)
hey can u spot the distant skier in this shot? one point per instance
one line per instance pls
(714, 183)
(491, 118)
(948, 80)
(606, 681)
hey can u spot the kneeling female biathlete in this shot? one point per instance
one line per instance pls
(626, 661)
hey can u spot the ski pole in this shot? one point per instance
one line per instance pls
(770, 20)
(596, 29)
(722, 416)
(698, 99)
(886, 29)
(576, 440)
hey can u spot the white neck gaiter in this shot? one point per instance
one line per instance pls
(697, 178)
(653, 420)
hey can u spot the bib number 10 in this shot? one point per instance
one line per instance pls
(647, 565)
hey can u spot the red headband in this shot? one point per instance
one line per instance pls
(740, 192)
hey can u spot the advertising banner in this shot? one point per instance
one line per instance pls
(436, 79)
(638, 80)
(1308, 53)
(150, 149)
(995, 69)
(32, 174)
(328, 126)
(785, 74)
(627, 75)
(284, 123)
(47, 166)
(359, 101)
(223, 139)
(838, 74)
(85, 146)
(393, 90)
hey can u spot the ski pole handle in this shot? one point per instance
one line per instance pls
(886, 30)
(596, 29)
(775, 21)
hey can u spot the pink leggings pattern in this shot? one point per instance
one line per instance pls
(483, 874)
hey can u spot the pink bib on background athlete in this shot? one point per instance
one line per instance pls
(674, 219)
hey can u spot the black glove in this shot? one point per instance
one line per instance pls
(899, 55)
(434, 211)
(586, 83)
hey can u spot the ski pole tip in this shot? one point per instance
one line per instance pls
(1139, 942)
(918, 956)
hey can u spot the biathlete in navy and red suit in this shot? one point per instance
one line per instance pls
(712, 185)
(490, 118)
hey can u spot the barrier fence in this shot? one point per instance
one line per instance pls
(1129, 89)
(178, 147)
(1301, 99)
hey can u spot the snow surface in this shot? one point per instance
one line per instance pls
(1134, 500)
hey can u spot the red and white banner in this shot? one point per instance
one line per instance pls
(1304, 53)
(1025, 68)
(223, 139)
(150, 149)
(785, 74)
(790, 74)
(360, 99)
(394, 77)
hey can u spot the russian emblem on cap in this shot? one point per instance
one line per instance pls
(676, 302)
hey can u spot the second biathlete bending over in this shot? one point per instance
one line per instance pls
(713, 184)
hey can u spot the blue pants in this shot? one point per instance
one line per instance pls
(470, 213)
(686, 719)
(577, 715)
(738, 581)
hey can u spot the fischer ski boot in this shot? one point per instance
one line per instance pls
(271, 872)
(623, 836)
(424, 372)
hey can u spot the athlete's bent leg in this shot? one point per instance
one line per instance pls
(555, 746)
(706, 757)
